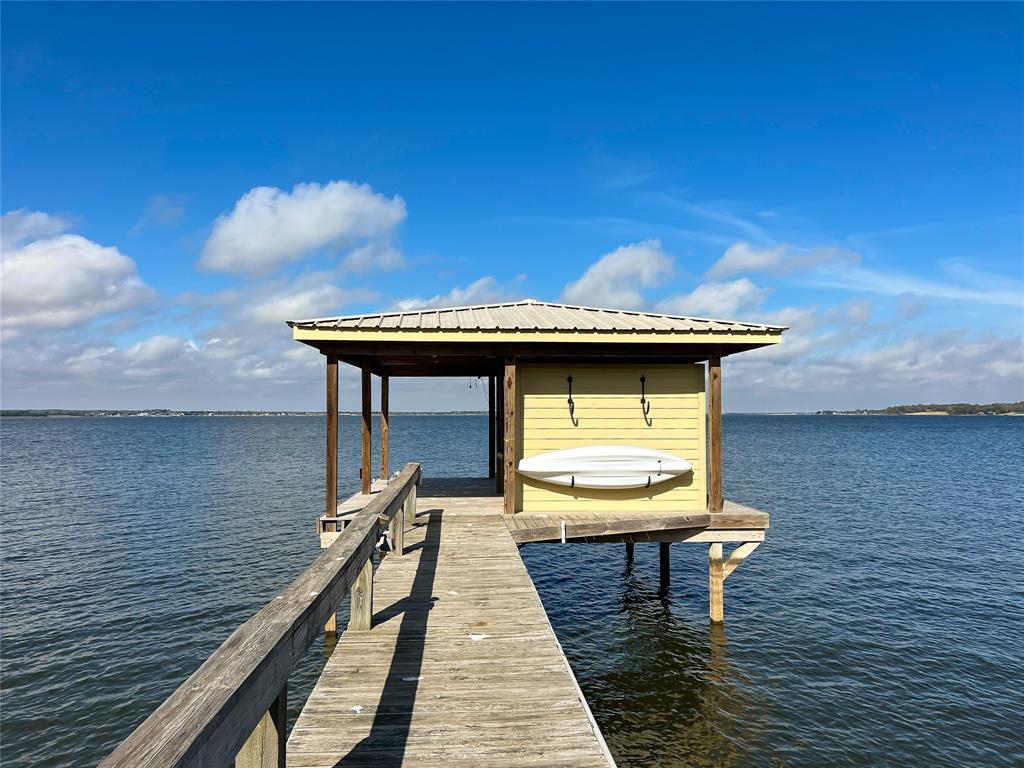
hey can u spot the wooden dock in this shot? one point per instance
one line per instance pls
(461, 666)
(448, 659)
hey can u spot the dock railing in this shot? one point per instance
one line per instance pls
(233, 709)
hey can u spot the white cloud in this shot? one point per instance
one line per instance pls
(22, 226)
(779, 260)
(614, 279)
(486, 290)
(719, 300)
(269, 227)
(374, 256)
(62, 280)
(310, 295)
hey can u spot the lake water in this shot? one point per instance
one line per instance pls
(881, 624)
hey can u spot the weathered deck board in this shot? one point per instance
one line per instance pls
(461, 667)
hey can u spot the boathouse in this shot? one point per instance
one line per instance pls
(560, 378)
(605, 427)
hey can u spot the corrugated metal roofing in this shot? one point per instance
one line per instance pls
(532, 315)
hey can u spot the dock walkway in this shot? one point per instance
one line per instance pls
(461, 666)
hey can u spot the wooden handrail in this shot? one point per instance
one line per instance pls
(208, 719)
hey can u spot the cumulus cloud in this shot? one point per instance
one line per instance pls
(62, 280)
(614, 280)
(486, 290)
(719, 300)
(779, 260)
(269, 227)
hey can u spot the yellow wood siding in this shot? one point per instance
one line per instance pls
(607, 411)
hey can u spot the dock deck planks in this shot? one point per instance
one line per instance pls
(461, 667)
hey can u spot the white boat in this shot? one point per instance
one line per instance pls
(605, 466)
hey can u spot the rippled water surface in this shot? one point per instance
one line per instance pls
(881, 624)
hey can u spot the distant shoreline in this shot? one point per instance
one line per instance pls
(154, 413)
(165, 414)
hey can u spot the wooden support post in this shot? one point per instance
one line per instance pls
(665, 572)
(409, 508)
(384, 471)
(629, 551)
(499, 424)
(265, 747)
(510, 437)
(361, 614)
(491, 437)
(716, 583)
(715, 434)
(365, 473)
(331, 496)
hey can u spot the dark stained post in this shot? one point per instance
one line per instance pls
(384, 426)
(365, 473)
(510, 437)
(629, 551)
(664, 570)
(715, 434)
(491, 447)
(499, 423)
(331, 497)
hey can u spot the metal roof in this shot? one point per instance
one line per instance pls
(531, 315)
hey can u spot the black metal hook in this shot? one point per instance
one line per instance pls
(572, 405)
(645, 405)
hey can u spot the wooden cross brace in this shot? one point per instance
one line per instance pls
(737, 556)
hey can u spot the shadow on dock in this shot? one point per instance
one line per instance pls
(385, 744)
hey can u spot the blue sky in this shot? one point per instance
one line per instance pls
(179, 179)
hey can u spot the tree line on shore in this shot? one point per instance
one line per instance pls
(953, 409)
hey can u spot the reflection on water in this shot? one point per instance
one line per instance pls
(674, 664)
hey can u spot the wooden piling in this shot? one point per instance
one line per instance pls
(499, 425)
(629, 551)
(365, 473)
(715, 500)
(716, 583)
(510, 437)
(492, 448)
(384, 418)
(665, 571)
(331, 495)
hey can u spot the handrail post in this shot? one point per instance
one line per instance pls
(397, 527)
(265, 747)
(361, 613)
(409, 508)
